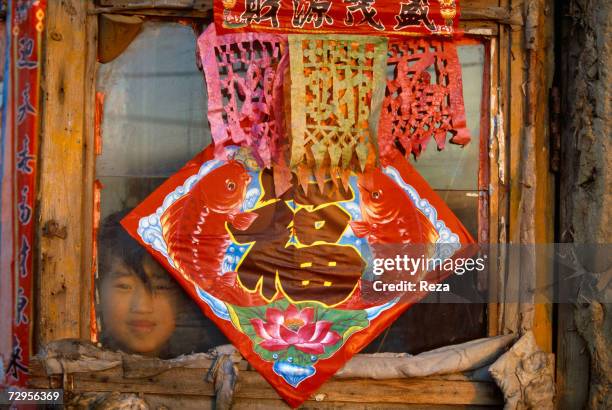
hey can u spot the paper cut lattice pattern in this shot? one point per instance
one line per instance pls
(423, 98)
(336, 92)
(244, 77)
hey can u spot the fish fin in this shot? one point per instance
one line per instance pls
(243, 220)
(360, 229)
(429, 233)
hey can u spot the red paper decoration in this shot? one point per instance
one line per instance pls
(423, 99)
(244, 77)
(285, 277)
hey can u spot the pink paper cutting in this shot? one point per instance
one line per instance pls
(244, 76)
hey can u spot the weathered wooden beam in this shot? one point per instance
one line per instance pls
(501, 15)
(60, 257)
(180, 4)
(487, 12)
(88, 325)
(541, 76)
(189, 382)
(583, 72)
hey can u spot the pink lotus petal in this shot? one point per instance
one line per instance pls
(291, 313)
(288, 335)
(274, 345)
(322, 327)
(306, 332)
(272, 329)
(259, 327)
(330, 338)
(307, 315)
(274, 316)
(311, 348)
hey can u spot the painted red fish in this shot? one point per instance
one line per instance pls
(194, 226)
(389, 215)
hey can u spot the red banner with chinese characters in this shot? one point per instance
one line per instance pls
(371, 17)
(20, 132)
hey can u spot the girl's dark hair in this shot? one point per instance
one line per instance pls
(114, 243)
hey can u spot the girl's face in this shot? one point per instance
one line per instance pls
(138, 317)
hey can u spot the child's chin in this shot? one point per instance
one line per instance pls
(142, 345)
(151, 351)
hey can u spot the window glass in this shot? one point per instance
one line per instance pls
(460, 170)
(154, 121)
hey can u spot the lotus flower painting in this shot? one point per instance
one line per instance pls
(282, 330)
(288, 278)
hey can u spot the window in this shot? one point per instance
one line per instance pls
(154, 121)
(129, 168)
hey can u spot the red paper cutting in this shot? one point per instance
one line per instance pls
(423, 99)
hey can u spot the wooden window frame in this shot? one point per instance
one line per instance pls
(67, 161)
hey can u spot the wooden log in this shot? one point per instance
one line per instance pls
(270, 404)
(416, 391)
(476, 15)
(88, 322)
(500, 15)
(515, 83)
(178, 4)
(189, 382)
(159, 401)
(251, 386)
(585, 198)
(502, 168)
(60, 259)
(537, 190)
(545, 189)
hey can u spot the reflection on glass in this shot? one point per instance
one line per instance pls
(456, 167)
(155, 104)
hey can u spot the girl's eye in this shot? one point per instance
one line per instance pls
(162, 288)
(123, 286)
(230, 185)
(376, 194)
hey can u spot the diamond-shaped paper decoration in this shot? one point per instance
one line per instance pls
(423, 99)
(286, 278)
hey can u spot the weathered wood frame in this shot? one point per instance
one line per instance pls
(68, 163)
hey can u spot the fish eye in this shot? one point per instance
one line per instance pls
(230, 185)
(376, 194)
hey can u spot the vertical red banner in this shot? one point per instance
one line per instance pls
(22, 130)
